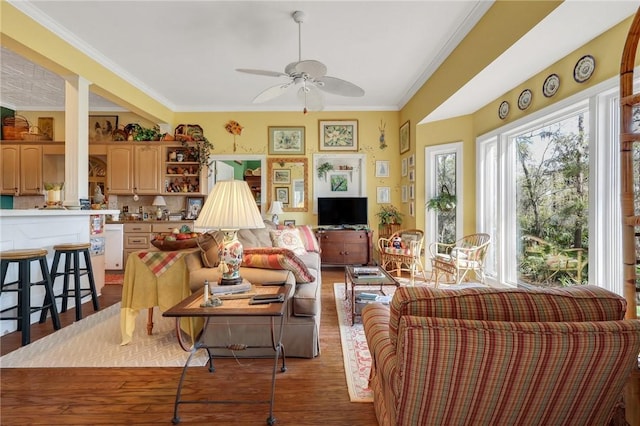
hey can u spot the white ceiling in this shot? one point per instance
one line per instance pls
(184, 53)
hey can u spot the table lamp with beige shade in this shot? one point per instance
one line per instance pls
(275, 210)
(230, 207)
(159, 202)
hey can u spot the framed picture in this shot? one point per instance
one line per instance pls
(404, 138)
(412, 192)
(339, 182)
(338, 135)
(281, 176)
(45, 125)
(404, 166)
(282, 194)
(383, 195)
(412, 209)
(405, 198)
(382, 168)
(286, 140)
(101, 127)
(193, 207)
(412, 175)
(289, 222)
(412, 160)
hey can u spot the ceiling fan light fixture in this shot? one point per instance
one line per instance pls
(311, 74)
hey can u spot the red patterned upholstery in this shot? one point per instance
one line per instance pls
(500, 356)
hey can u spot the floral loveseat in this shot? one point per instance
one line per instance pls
(271, 256)
(491, 356)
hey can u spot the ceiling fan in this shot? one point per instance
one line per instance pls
(308, 75)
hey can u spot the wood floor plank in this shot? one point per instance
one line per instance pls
(311, 392)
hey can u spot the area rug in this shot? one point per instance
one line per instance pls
(95, 342)
(355, 352)
(113, 278)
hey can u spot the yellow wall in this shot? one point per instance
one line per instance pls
(503, 24)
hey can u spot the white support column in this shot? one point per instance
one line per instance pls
(76, 171)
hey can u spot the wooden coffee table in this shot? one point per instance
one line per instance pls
(351, 277)
(190, 307)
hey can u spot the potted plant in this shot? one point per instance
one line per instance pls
(389, 220)
(200, 149)
(324, 168)
(443, 202)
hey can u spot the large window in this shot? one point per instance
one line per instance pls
(548, 193)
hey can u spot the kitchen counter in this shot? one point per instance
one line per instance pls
(53, 212)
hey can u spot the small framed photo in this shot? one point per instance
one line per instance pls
(282, 194)
(412, 160)
(338, 135)
(281, 176)
(286, 140)
(412, 175)
(289, 222)
(102, 126)
(412, 209)
(45, 124)
(412, 192)
(405, 198)
(382, 168)
(193, 207)
(383, 194)
(404, 138)
(404, 167)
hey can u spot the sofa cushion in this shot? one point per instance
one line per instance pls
(577, 303)
(309, 239)
(277, 258)
(209, 249)
(288, 238)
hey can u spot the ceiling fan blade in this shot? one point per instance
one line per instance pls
(338, 86)
(262, 72)
(313, 68)
(271, 93)
(311, 97)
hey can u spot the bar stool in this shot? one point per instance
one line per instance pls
(23, 287)
(71, 252)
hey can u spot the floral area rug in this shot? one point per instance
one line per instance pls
(355, 352)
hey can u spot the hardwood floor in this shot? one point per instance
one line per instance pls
(310, 392)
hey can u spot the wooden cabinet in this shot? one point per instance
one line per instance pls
(21, 170)
(345, 247)
(133, 169)
(137, 236)
(180, 172)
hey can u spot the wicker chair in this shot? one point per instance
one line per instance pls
(405, 254)
(458, 259)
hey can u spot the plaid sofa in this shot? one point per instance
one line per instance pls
(483, 356)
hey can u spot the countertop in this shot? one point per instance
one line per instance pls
(53, 212)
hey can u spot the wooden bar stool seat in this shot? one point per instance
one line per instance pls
(22, 286)
(72, 268)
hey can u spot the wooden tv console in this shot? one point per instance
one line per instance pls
(345, 246)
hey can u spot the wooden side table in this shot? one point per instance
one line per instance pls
(190, 307)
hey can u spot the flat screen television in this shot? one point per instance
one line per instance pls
(342, 211)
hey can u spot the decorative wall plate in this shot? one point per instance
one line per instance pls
(524, 100)
(503, 110)
(584, 68)
(551, 85)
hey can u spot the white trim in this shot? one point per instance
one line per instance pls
(430, 154)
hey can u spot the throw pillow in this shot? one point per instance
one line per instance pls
(208, 250)
(277, 258)
(288, 238)
(309, 239)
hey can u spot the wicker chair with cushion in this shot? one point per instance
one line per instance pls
(458, 259)
(488, 356)
(402, 251)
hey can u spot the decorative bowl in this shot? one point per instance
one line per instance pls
(165, 245)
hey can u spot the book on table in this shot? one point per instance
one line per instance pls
(367, 272)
